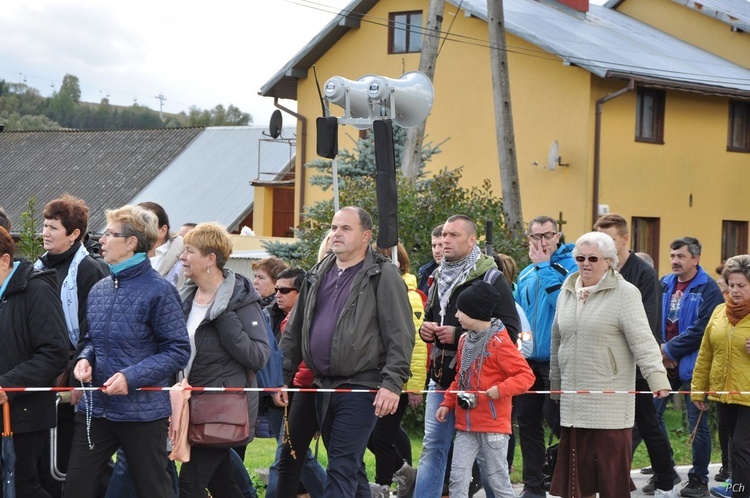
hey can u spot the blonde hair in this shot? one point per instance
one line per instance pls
(136, 222)
(211, 238)
(323, 250)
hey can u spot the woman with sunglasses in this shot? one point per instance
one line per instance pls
(599, 334)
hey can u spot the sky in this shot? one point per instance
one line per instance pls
(192, 53)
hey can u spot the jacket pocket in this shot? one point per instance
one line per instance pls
(612, 361)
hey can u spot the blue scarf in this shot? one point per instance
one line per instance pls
(69, 294)
(10, 275)
(138, 257)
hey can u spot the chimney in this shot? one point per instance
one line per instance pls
(579, 5)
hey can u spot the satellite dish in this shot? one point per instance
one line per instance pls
(553, 156)
(274, 127)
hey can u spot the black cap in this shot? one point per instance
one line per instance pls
(478, 301)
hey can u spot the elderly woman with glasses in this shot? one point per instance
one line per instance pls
(137, 338)
(599, 333)
(229, 345)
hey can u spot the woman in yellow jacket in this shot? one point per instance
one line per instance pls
(723, 369)
(389, 442)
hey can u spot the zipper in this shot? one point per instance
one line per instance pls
(106, 340)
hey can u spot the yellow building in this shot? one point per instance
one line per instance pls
(648, 124)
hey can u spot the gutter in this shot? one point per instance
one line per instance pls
(598, 144)
(301, 152)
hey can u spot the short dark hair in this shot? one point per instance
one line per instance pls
(542, 220)
(469, 222)
(5, 220)
(161, 215)
(365, 220)
(298, 274)
(271, 265)
(71, 211)
(612, 220)
(694, 247)
(437, 231)
(7, 246)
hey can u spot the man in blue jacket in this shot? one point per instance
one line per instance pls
(538, 287)
(688, 298)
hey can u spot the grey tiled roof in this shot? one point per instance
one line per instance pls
(104, 168)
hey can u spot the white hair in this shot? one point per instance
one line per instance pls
(604, 243)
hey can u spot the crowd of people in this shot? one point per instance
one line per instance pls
(360, 339)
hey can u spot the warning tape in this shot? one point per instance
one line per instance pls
(344, 390)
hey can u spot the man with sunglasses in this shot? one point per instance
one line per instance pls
(538, 287)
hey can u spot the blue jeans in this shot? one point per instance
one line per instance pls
(121, 483)
(702, 441)
(438, 437)
(346, 421)
(241, 477)
(313, 474)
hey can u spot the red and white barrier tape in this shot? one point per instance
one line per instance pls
(341, 390)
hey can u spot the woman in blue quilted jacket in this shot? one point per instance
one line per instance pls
(229, 344)
(137, 338)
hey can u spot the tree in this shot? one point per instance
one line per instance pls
(422, 206)
(30, 238)
(218, 116)
(16, 122)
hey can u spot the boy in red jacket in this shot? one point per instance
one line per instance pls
(491, 371)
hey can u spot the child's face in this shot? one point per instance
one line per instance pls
(463, 319)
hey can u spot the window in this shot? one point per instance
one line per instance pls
(739, 127)
(404, 32)
(649, 116)
(733, 238)
(645, 238)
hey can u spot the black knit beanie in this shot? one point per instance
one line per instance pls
(478, 301)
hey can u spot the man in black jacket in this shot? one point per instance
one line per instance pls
(642, 275)
(462, 264)
(34, 352)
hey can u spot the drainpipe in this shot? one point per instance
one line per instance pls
(300, 150)
(598, 144)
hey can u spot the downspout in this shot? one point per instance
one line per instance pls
(598, 144)
(300, 150)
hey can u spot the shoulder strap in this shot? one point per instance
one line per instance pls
(491, 275)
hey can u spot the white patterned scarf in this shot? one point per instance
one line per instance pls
(452, 274)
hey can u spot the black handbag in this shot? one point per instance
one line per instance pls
(550, 460)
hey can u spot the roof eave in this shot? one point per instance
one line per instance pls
(655, 82)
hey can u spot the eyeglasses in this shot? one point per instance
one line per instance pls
(284, 290)
(109, 234)
(592, 259)
(546, 235)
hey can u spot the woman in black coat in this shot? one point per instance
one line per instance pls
(34, 351)
(229, 344)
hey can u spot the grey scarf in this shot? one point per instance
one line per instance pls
(453, 273)
(475, 345)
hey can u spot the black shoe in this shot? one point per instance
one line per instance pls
(723, 475)
(647, 470)
(694, 488)
(650, 487)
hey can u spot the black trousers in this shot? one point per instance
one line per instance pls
(386, 444)
(29, 448)
(658, 446)
(208, 465)
(532, 410)
(737, 418)
(303, 424)
(144, 443)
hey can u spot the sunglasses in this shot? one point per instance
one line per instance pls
(592, 259)
(284, 290)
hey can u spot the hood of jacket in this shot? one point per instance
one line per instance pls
(233, 292)
(26, 272)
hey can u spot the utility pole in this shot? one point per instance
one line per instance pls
(412, 157)
(161, 98)
(506, 143)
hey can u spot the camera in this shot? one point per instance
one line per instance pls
(467, 401)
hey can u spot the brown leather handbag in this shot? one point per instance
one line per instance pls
(219, 420)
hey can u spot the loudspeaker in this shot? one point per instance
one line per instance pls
(407, 100)
(351, 95)
(387, 190)
(328, 137)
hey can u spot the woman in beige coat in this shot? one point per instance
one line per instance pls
(599, 334)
